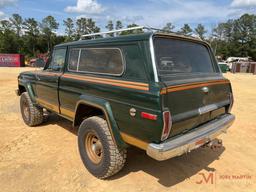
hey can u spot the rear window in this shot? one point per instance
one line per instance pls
(178, 56)
(97, 60)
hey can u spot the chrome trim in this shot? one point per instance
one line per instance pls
(78, 60)
(113, 31)
(205, 90)
(133, 112)
(153, 58)
(207, 108)
(177, 146)
(96, 73)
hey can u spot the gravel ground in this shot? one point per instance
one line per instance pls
(46, 158)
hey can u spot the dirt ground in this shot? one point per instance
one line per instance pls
(46, 158)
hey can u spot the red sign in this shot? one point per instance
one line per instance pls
(11, 60)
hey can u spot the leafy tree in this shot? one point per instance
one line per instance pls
(8, 38)
(110, 27)
(49, 26)
(17, 21)
(85, 26)
(91, 25)
(186, 30)
(31, 28)
(5, 25)
(200, 31)
(81, 28)
(235, 37)
(168, 27)
(219, 32)
(69, 29)
(119, 25)
(136, 31)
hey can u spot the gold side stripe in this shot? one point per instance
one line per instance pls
(126, 84)
(108, 80)
(47, 105)
(67, 112)
(133, 85)
(192, 86)
(134, 141)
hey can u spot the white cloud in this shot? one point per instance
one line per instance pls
(4, 3)
(86, 7)
(158, 12)
(1, 14)
(243, 3)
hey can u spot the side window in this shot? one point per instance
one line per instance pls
(58, 59)
(73, 59)
(97, 60)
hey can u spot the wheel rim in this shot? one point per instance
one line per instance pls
(93, 148)
(25, 110)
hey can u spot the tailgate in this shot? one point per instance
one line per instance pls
(195, 103)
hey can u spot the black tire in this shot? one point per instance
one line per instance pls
(111, 158)
(32, 115)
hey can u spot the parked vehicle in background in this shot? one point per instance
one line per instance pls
(231, 60)
(37, 62)
(12, 60)
(238, 59)
(163, 93)
(224, 67)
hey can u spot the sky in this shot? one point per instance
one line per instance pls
(154, 13)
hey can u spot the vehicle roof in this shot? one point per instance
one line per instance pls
(127, 38)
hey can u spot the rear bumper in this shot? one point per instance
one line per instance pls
(203, 134)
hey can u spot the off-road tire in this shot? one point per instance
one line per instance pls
(113, 159)
(34, 113)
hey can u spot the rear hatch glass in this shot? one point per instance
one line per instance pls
(195, 90)
(178, 56)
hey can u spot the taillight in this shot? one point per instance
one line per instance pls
(148, 116)
(231, 99)
(167, 125)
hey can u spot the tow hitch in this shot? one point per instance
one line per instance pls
(214, 144)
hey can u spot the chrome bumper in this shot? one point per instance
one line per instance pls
(203, 134)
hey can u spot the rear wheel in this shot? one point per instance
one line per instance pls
(98, 151)
(31, 114)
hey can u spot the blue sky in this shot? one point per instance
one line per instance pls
(153, 13)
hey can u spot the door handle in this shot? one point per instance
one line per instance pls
(38, 78)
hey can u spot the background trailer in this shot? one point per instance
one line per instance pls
(12, 60)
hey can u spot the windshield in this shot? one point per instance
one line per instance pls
(178, 56)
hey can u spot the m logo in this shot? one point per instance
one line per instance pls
(206, 178)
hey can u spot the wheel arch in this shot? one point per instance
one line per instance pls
(26, 87)
(102, 107)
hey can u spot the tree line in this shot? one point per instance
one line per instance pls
(236, 37)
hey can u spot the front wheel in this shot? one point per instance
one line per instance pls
(31, 114)
(98, 151)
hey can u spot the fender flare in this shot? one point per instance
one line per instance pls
(107, 110)
(30, 91)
